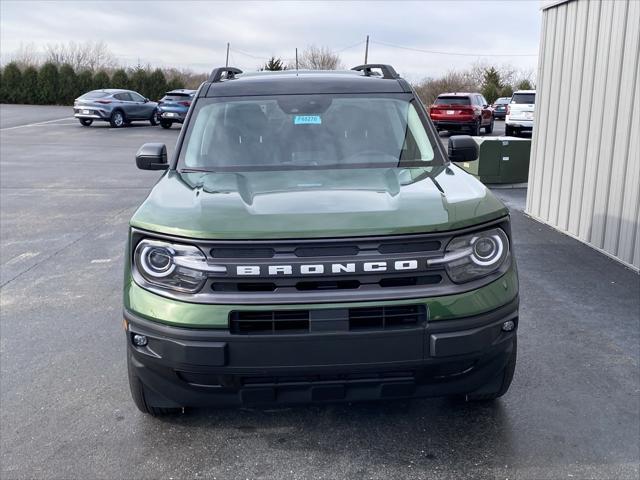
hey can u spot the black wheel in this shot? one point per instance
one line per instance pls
(508, 131)
(165, 123)
(153, 120)
(85, 122)
(117, 119)
(489, 128)
(137, 394)
(503, 382)
(475, 129)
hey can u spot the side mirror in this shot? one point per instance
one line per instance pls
(462, 148)
(146, 100)
(152, 156)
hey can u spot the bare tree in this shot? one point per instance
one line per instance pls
(318, 58)
(429, 88)
(27, 55)
(87, 55)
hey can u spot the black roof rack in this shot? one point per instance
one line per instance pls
(387, 70)
(218, 73)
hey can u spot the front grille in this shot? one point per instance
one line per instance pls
(319, 284)
(287, 322)
(316, 271)
(382, 318)
(269, 322)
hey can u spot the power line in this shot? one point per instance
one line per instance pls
(456, 53)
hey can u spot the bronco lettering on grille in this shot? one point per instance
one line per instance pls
(328, 268)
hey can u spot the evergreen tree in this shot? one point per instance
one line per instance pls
(524, 85)
(68, 84)
(30, 87)
(175, 83)
(101, 80)
(491, 84)
(506, 91)
(139, 80)
(274, 64)
(12, 83)
(157, 85)
(48, 84)
(119, 79)
(85, 82)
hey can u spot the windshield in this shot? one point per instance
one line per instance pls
(293, 132)
(502, 101)
(528, 98)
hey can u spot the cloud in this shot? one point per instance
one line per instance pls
(194, 34)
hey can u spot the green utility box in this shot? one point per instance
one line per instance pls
(501, 160)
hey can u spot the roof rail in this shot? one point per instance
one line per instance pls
(217, 73)
(387, 70)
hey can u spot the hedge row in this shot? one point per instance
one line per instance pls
(53, 85)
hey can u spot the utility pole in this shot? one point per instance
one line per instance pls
(226, 63)
(366, 51)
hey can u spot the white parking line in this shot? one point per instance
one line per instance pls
(35, 124)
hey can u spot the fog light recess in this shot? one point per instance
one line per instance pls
(508, 326)
(141, 340)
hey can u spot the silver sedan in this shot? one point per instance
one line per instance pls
(116, 106)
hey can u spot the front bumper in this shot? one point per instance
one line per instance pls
(213, 367)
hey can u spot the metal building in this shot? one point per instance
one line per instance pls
(584, 177)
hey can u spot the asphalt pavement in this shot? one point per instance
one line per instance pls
(66, 195)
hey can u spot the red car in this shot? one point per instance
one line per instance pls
(462, 111)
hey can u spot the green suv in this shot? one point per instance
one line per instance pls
(312, 241)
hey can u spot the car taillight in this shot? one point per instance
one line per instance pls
(508, 110)
(104, 102)
(186, 104)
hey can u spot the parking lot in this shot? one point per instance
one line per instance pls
(67, 193)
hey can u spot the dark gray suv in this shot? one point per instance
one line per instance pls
(116, 106)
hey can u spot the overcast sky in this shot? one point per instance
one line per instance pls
(194, 34)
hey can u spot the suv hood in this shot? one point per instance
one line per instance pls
(316, 203)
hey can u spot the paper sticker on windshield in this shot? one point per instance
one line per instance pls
(307, 120)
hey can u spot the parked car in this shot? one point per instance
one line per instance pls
(312, 241)
(116, 106)
(462, 111)
(173, 107)
(520, 113)
(500, 107)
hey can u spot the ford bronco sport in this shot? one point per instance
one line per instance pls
(311, 241)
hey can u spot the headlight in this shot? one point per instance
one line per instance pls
(171, 265)
(475, 255)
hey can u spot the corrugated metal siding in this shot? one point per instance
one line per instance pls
(584, 177)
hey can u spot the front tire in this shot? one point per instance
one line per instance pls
(508, 131)
(137, 394)
(165, 124)
(503, 383)
(85, 122)
(118, 119)
(153, 120)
